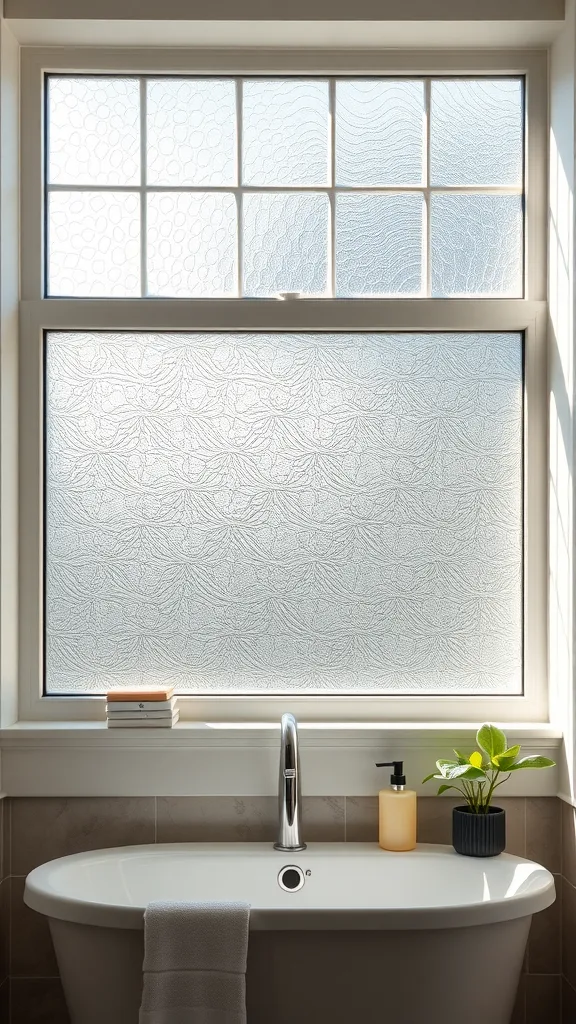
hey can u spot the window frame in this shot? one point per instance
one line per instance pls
(529, 315)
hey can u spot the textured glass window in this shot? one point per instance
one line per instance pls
(186, 187)
(284, 513)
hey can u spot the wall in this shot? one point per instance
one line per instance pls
(39, 829)
(382, 10)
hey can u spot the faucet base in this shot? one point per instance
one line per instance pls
(289, 849)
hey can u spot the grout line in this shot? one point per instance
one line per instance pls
(345, 819)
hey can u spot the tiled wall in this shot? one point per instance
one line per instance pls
(35, 830)
(568, 914)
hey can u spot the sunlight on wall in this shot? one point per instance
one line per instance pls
(561, 529)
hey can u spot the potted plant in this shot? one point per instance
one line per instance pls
(478, 828)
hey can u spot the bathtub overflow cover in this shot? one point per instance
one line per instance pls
(291, 878)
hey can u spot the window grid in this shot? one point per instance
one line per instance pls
(331, 190)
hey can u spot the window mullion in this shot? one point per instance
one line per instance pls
(332, 183)
(143, 194)
(239, 192)
(426, 249)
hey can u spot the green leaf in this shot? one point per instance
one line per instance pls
(462, 759)
(442, 789)
(505, 761)
(428, 777)
(535, 761)
(491, 739)
(464, 771)
(511, 754)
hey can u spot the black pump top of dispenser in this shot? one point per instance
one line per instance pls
(397, 779)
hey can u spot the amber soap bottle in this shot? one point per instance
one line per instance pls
(396, 811)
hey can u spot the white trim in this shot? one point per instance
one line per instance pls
(200, 759)
(305, 34)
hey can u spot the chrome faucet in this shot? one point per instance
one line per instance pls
(289, 790)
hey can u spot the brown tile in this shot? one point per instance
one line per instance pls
(569, 932)
(569, 842)
(568, 1003)
(323, 819)
(515, 807)
(6, 836)
(215, 819)
(37, 1001)
(4, 929)
(545, 942)
(435, 818)
(544, 831)
(361, 819)
(47, 827)
(5, 1002)
(542, 999)
(519, 1011)
(31, 950)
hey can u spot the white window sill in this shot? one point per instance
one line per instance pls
(86, 759)
(189, 733)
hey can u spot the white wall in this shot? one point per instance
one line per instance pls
(9, 276)
(562, 393)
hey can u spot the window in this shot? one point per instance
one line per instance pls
(284, 384)
(188, 187)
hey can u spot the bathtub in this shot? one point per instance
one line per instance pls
(338, 933)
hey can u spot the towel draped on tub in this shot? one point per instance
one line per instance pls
(195, 963)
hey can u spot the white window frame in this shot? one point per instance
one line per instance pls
(38, 314)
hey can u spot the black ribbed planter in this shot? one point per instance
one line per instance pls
(479, 835)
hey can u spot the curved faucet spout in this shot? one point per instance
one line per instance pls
(289, 788)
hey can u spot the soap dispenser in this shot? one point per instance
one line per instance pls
(396, 811)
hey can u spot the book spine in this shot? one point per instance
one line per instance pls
(137, 715)
(142, 705)
(145, 723)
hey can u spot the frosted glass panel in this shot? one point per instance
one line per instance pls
(379, 244)
(379, 132)
(476, 245)
(94, 244)
(284, 513)
(94, 131)
(191, 132)
(476, 132)
(285, 133)
(191, 244)
(285, 243)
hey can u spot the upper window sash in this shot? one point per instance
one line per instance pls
(37, 63)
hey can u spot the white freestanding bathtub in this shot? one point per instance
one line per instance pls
(426, 937)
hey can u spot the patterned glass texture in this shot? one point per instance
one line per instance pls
(379, 244)
(93, 131)
(285, 239)
(284, 513)
(476, 133)
(191, 244)
(379, 132)
(94, 244)
(285, 132)
(476, 245)
(191, 131)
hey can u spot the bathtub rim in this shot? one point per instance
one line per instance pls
(109, 915)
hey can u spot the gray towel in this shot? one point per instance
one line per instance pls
(195, 963)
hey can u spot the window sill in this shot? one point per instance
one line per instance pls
(262, 734)
(81, 759)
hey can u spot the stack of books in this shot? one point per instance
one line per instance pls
(135, 709)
